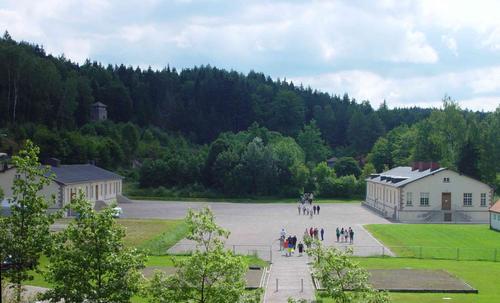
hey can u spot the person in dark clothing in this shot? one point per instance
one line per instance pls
(294, 242)
(337, 233)
(351, 235)
(317, 209)
(322, 234)
(301, 248)
(316, 233)
(314, 209)
(311, 231)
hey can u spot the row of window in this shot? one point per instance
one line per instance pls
(496, 217)
(424, 199)
(95, 191)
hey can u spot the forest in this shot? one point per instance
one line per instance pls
(208, 131)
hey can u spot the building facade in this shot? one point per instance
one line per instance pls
(425, 192)
(98, 112)
(495, 216)
(95, 183)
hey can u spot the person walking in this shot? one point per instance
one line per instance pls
(310, 214)
(304, 209)
(342, 235)
(311, 232)
(285, 246)
(282, 242)
(317, 209)
(290, 248)
(314, 209)
(337, 233)
(299, 208)
(351, 236)
(346, 234)
(294, 241)
(316, 233)
(322, 232)
(301, 249)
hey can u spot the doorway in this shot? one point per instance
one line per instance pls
(97, 192)
(446, 201)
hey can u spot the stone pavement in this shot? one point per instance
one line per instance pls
(289, 271)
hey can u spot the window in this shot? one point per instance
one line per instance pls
(467, 199)
(483, 199)
(446, 180)
(17, 176)
(409, 199)
(424, 199)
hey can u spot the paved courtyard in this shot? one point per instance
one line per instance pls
(255, 228)
(260, 223)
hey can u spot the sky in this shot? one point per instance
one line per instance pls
(405, 52)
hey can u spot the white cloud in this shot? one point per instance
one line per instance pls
(481, 85)
(450, 43)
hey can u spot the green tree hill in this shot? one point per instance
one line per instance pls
(342, 278)
(25, 233)
(346, 166)
(211, 274)
(89, 262)
(311, 142)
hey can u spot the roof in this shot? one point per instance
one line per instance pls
(99, 104)
(332, 159)
(402, 175)
(495, 207)
(79, 173)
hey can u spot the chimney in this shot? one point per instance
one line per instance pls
(434, 166)
(54, 162)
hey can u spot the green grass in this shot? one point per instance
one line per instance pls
(156, 236)
(480, 275)
(440, 241)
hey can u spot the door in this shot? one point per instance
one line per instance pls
(446, 201)
(96, 192)
(447, 217)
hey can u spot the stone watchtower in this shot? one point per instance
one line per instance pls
(98, 112)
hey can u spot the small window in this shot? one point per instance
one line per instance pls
(446, 180)
(424, 199)
(409, 199)
(18, 176)
(467, 199)
(483, 199)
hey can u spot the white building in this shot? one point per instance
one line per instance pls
(495, 216)
(427, 193)
(97, 184)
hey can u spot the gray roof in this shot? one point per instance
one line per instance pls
(99, 104)
(402, 175)
(79, 173)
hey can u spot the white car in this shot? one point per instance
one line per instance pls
(117, 212)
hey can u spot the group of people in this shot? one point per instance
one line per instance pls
(315, 233)
(289, 244)
(306, 206)
(344, 234)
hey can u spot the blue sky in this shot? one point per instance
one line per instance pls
(405, 52)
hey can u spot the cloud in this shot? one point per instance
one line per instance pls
(479, 89)
(450, 43)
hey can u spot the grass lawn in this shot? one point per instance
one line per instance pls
(479, 274)
(474, 242)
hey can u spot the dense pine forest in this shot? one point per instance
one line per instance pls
(208, 131)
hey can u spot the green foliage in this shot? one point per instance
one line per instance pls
(210, 274)
(311, 142)
(89, 261)
(342, 277)
(346, 166)
(25, 233)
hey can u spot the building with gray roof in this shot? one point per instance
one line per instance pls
(425, 192)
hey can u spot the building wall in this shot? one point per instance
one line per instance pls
(495, 221)
(392, 202)
(49, 191)
(435, 185)
(94, 191)
(384, 198)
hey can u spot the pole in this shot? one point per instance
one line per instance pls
(302, 285)
(276, 284)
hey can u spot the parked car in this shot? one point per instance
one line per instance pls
(9, 263)
(117, 212)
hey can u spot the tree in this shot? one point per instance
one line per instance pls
(89, 262)
(26, 232)
(342, 278)
(313, 145)
(468, 161)
(346, 166)
(210, 274)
